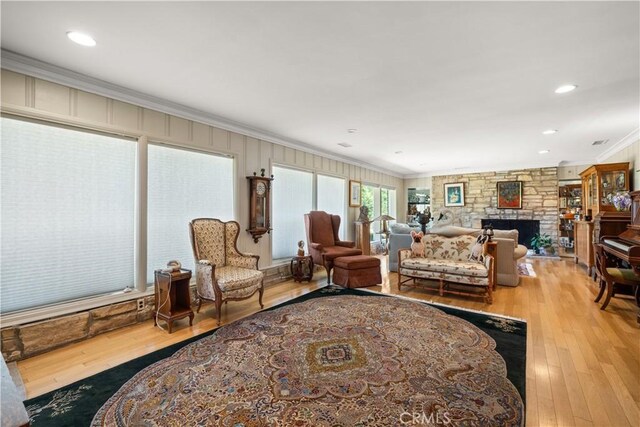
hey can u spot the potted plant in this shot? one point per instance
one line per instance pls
(542, 242)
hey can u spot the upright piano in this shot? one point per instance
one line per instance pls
(626, 245)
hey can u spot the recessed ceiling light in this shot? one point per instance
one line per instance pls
(549, 132)
(543, 151)
(566, 88)
(398, 152)
(345, 144)
(352, 130)
(81, 38)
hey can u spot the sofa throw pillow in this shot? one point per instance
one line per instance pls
(477, 251)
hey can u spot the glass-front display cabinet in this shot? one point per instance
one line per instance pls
(600, 183)
(419, 201)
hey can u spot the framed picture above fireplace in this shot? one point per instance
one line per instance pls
(510, 195)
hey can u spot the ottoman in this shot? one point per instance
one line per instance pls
(356, 271)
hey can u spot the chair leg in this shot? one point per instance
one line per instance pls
(199, 305)
(261, 293)
(603, 285)
(328, 274)
(609, 295)
(399, 280)
(489, 295)
(218, 310)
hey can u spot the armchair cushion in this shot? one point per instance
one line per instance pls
(232, 278)
(346, 244)
(464, 268)
(337, 251)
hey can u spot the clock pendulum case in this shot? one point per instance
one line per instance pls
(259, 205)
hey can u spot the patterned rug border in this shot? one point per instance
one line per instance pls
(454, 307)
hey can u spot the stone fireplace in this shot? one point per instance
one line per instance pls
(539, 201)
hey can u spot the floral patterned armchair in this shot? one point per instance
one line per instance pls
(222, 272)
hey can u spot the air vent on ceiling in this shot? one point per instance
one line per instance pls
(344, 144)
(600, 142)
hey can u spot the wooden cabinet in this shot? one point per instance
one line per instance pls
(173, 300)
(583, 244)
(569, 203)
(600, 182)
(418, 200)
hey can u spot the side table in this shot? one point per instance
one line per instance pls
(302, 268)
(173, 300)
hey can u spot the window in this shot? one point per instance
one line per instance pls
(183, 185)
(292, 198)
(331, 198)
(380, 201)
(67, 214)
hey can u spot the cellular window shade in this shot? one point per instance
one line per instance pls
(67, 214)
(183, 185)
(292, 198)
(331, 197)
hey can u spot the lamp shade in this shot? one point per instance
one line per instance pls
(384, 218)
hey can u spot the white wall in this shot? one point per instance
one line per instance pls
(31, 97)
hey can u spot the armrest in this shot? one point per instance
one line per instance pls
(316, 246)
(206, 283)
(346, 244)
(491, 265)
(403, 254)
(244, 261)
(519, 252)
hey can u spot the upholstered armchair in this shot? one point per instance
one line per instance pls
(222, 272)
(323, 240)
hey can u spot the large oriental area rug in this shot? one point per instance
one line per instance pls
(331, 358)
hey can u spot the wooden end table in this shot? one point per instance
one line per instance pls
(302, 268)
(173, 300)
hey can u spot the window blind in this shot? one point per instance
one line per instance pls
(183, 185)
(331, 197)
(292, 198)
(67, 214)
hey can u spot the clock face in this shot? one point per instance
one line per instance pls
(261, 188)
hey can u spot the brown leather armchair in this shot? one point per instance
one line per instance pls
(323, 240)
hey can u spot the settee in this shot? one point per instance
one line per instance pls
(508, 250)
(448, 260)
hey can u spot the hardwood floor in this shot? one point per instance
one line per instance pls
(583, 364)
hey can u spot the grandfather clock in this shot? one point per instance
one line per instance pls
(259, 205)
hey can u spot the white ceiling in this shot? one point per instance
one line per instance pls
(454, 86)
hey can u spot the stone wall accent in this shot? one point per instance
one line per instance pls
(20, 342)
(539, 200)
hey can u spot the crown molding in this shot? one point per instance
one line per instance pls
(629, 139)
(504, 168)
(42, 70)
